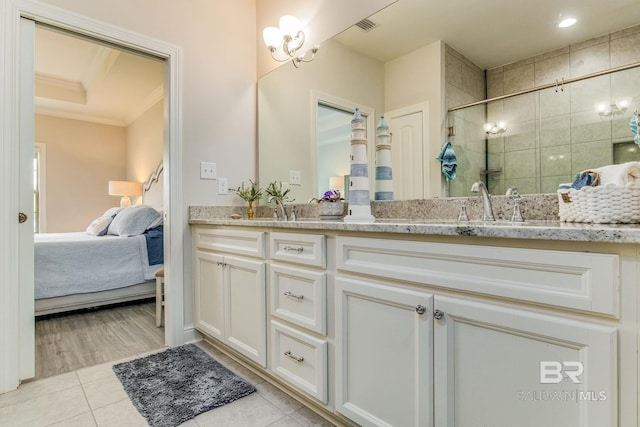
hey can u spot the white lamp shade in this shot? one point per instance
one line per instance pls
(271, 36)
(289, 25)
(125, 188)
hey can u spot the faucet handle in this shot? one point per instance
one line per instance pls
(463, 216)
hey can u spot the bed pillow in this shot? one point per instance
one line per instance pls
(133, 220)
(99, 226)
(112, 212)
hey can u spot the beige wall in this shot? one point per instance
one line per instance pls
(415, 78)
(81, 158)
(322, 19)
(285, 108)
(145, 144)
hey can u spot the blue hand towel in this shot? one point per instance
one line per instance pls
(449, 162)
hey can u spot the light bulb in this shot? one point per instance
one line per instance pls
(289, 25)
(487, 127)
(271, 36)
(567, 22)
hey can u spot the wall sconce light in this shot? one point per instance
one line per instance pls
(125, 189)
(495, 128)
(613, 109)
(284, 42)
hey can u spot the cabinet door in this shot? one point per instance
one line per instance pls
(246, 322)
(383, 354)
(209, 294)
(501, 366)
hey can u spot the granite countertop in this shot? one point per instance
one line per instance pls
(541, 230)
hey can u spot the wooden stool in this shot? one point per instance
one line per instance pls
(159, 296)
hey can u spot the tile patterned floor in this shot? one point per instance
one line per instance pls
(94, 397)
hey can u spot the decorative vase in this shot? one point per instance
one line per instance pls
(250, 209)
(331, 210)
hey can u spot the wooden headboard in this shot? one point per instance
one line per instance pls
(152, 189)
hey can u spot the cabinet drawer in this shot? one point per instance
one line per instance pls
(299, 296)
(239, 242)
(577, 280)
(305, 249)
(299, 359)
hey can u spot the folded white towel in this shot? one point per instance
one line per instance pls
(623, 174)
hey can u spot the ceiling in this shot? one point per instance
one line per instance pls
(81, 79)
(490, 33)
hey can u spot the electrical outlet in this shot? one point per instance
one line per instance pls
(295, 177)
(223, 186)
(208, 170)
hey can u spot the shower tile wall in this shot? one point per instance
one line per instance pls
(465, 83)
(553, 134)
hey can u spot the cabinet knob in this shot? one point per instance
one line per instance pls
(421, 309)
(22, 217)
(437, 314)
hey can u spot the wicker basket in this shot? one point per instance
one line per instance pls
(608, 204)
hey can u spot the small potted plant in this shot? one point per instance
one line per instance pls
(331, 205)
(250, 194)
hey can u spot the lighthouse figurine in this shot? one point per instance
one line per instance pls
(359, 202)
(384, 176)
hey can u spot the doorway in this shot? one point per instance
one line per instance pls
(99, 114)
(16, 306)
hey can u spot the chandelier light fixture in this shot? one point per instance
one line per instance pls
(495, 128)
(284, 42)
(613, 109)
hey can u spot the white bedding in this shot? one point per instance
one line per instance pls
(72, 263)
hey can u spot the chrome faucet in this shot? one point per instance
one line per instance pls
(283, 210)
(487, 209)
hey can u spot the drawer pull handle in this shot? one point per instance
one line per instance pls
(221, 264)
(293, 356)
(298, 249)
(298, 297)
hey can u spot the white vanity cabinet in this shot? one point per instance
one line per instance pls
(230, 289)
(298, 307)
(384, 362)
(489, 355)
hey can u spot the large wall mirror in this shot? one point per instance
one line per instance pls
(549, 135)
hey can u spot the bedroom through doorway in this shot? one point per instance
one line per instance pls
(99, 120)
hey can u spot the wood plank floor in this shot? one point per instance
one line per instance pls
(72, 341)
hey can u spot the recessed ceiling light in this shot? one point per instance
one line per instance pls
(567, 22)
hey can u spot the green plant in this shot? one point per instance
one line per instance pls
(249, 193)
(275, 190)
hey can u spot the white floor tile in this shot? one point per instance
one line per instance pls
(250, 411)
(31, 390)
(93, 373)
(286, 422)
(278, 398)
(47, 409)
(84, 420)
(119, 414)
(104, 391)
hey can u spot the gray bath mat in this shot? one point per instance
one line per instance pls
(174, 386)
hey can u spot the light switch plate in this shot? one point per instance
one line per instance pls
(223, 186)
(208, 170)
(295, 177)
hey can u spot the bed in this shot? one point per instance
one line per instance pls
(113, 261)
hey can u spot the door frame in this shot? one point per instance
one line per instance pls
(11, 312)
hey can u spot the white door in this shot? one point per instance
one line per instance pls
(246, 321)
(408, 151)
(209, 294)
(497, 366)
(384, 371)
(26, 202)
